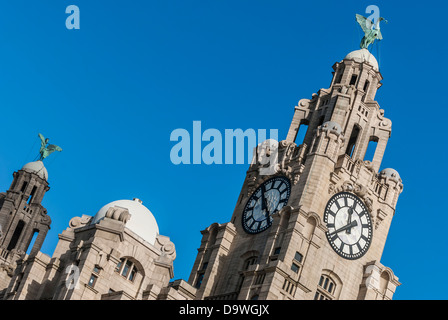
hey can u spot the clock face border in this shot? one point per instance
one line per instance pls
(366, 212)
(246, 209)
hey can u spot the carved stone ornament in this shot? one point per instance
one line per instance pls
(359, 190)
(101, 259)
(287, 167)
(381, 215)
(166, 246)
(45, 219)
(369, 165)
(383, 122)
(9, 269)
(118, 213)
(77, 251)
(78, 222)
(251, 184)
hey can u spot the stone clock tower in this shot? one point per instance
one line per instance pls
(315, 229)
(24, 222)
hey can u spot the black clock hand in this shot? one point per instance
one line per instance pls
(263, 199)
(349, 220)
(348, 226)
(350, 213)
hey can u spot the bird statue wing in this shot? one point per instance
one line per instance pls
(365, 23)
(52, 147)
(42, 139)
(379, 36)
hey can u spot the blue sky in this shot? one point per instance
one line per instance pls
(111, 93)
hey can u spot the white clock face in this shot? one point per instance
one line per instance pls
(349, 225)
(269, 198)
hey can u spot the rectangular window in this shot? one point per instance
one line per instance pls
(132, 274)
(371, 148)
(366, 86)
(117, 268)
(92, 280)
(298, 257)
(126, 268)
(33, 240)
(30, 198)
(353, 79)
(199, 280)
(295, 268)
(301, 133)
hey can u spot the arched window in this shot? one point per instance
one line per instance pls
(251, 260)
(200, 275)
(213, 232)
(340, 74)
(325, 289)
(248, 262)
(352, 141)
(127, 269)
(321, 120)
(16, 235)
(309, 228)
(384, 281)
(365, 88)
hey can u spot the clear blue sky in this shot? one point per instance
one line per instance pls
(111, 93)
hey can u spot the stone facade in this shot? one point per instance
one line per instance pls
(293, 258)
(110, 256)
(96, 258)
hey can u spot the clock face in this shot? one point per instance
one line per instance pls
(349, 225)
(269, 198)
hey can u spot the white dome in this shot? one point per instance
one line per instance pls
(142, 222)
(38, 168)
(363, 55)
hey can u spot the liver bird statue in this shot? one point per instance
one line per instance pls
(45, 148)
(371, 31)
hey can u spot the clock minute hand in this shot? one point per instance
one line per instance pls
(348, 226)
(350, 213)
(349, 220)
(263, 199)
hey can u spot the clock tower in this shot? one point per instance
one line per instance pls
(316, 228)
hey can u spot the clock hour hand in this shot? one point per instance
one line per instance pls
(346, 227)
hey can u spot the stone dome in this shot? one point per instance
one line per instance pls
(38, 168)
(142, 222)
(331, 125)
(363, 55)
(390, 173)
